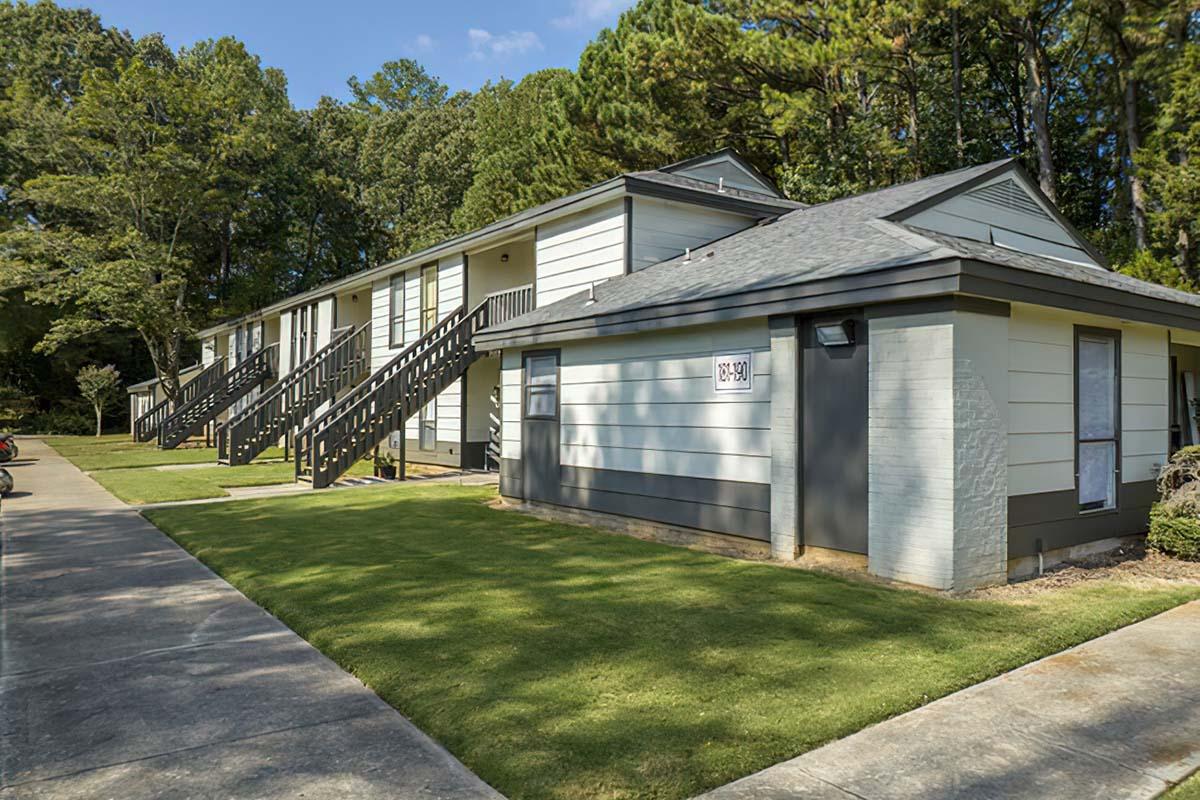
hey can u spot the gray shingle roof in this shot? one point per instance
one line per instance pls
(752, 202)
(841, 237)
(993, 254)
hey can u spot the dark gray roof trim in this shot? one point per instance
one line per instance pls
(889, 284)
(685, 190)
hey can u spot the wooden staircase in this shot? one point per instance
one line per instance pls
(145, 427)
(191, 417)
(362, 420)
(318, 379)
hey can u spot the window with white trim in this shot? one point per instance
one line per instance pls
(396, 311)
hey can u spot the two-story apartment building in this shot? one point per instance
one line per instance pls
(942, 379)
(530, 259)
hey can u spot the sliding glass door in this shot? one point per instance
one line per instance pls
(1097, 418)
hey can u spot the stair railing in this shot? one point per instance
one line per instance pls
(146, 426)
(192, 416)
(305, 436)
(281, 408)
(330, 444)
(418, 383)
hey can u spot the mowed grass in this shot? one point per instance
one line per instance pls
(119, 451)
(142, 486)
(1188, 790)
(562, 662)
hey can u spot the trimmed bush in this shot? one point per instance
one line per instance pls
(1174, 533)
(1175, 519)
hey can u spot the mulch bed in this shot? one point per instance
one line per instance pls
(1135, 563)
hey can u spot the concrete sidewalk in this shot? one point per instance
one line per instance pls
(1116, 717)
(128, 669)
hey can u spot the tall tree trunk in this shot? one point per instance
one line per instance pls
(1133, 143)
(1185, 251)
(99, 414)
(1039, 108)
(956, 59)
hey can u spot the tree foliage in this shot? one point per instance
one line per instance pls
(99, 386)
(145, 192)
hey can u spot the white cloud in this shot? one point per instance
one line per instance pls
(589, 12)
(486, 44)
(423, 43)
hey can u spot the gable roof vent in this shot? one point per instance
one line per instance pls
(1007, 194)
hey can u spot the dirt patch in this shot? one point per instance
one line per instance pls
(1134, 563)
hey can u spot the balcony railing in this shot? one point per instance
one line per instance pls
(509, 303)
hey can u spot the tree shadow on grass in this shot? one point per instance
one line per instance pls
(561, 662)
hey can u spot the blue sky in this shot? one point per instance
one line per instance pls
(320, 44)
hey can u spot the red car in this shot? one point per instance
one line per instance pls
(8, 448)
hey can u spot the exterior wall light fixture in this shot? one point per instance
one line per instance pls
(835, 334)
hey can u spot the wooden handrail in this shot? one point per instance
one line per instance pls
(316, 380)
(146, 426)
(252, 371)
(418, 377)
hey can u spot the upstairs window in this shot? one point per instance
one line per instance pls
(396, 313)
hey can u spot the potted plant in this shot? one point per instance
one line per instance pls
(385, 466)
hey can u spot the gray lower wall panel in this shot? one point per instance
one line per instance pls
(1054, 518)
(510, 479)
(729, 507)
(717, 519)
(735, 494)
(447, 454)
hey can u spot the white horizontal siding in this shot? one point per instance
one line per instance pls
(972, 215)
(510, 405)
(449, 402)
(381, 309)
(412, 327)
(579, 250)
(1041, 442)
(663, 229)
(736, 177)
(647, 404)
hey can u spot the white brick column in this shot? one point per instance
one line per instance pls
(937, 449)
(785, 442)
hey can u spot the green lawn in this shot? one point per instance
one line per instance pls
(119, 451)
(140, 486)
(561, 662)
(1188, 790)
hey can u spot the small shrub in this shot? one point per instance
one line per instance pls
(1175, 519)
(1174, 533)
(59, 422)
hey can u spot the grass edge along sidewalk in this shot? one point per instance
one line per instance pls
(562, 662)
